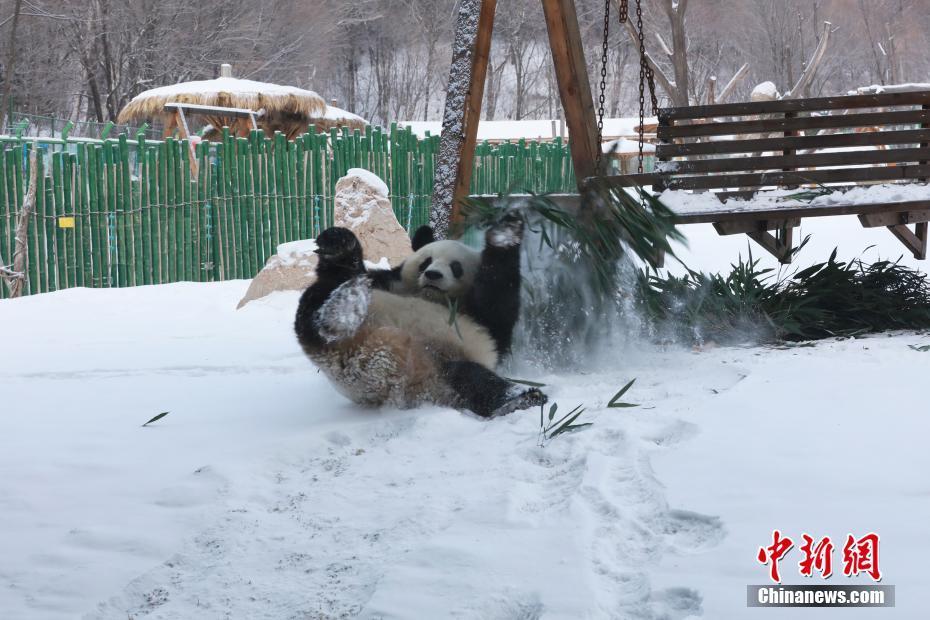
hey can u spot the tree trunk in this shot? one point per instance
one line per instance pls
(10, 64)
(20, 253)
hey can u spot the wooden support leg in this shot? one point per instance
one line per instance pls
(916, 242)
(780, 245)
(574, 88)
(462, 113)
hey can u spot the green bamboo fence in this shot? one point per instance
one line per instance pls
(131, 211)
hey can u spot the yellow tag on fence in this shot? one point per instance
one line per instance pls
(66, 222)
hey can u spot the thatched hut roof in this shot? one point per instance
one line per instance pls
(225, 92)
(337, 117)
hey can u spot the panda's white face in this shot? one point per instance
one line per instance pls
(440, 269)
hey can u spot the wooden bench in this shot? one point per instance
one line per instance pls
(736, 151)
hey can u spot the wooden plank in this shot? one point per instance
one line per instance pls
(761, 145)
(800, 123)
(807, 160)
(794, 211)
(574, 87)
(874, 220)
(747, 226)
(781, 179)
(797, 105)
(920, 232)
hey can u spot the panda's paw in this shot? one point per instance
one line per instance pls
(337, 245)
(520, 397)
(507, 233)
(343, 313)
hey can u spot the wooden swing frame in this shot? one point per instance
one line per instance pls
(679, 127)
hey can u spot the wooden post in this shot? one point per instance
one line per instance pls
(462, 113)
(574, 87)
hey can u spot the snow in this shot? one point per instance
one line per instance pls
(302, 246)
(682, 201)
(333, 113)
(625, 145)
(265, 494)
(294, 253)
(224, 85)
(766, 91)
(369, 178)
(877, 89)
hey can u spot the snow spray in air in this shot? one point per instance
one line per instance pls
(567, 321)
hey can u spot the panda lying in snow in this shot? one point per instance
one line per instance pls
(382, 339)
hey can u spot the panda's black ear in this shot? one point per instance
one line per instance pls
(423, 236)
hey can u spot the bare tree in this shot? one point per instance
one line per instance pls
(10, 67)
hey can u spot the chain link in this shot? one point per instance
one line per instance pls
(643, 68)
(624, 11)
(602, 87)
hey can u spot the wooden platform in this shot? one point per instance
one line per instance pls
(836, 143)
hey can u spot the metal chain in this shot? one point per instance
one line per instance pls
(643, 68)
(602, 87)
(624, 11)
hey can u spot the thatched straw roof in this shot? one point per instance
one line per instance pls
(337, 117)
(226, 92)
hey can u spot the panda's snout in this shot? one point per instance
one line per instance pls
(432, 274)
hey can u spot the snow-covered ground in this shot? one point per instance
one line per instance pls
(264, 494)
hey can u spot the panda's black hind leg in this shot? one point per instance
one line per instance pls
(488, 394)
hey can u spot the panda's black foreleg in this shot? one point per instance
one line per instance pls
(494, 299)
(334, 306)
(486, 393)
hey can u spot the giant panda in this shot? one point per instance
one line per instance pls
(484, 286)
(383, 348)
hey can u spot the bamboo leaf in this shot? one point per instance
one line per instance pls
(614, 402)
(157, 418)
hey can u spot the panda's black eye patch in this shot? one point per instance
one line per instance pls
(457, 270)
(426, 264)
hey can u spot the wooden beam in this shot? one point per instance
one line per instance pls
(574, 88)
(874, 220)
(915, 242)
(780, 247)
(748, 226)
(462, 113)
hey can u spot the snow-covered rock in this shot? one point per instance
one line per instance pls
(765, 91)
(292, 268)
(362, 206)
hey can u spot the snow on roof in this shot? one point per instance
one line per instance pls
(339, 115)
(532, 129)
(224, 92)
(236, 86)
